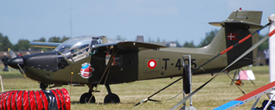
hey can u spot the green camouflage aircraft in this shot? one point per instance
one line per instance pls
(97, 60)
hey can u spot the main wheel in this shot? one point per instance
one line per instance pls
(86, 97)
(111, 98)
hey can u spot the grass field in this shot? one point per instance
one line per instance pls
(211, 96)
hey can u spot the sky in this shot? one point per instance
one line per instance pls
(169, 20)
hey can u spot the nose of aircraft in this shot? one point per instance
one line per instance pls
(15, 61)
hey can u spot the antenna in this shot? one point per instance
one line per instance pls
(71, 24)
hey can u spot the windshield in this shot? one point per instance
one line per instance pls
(74, 44)
(77, 48)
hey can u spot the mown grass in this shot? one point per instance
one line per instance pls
(211, 96)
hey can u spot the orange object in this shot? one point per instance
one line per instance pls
(239, 82)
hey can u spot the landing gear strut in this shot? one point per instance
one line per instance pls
(43, 86)
(85, 98)
(88, 97)
(111, 97)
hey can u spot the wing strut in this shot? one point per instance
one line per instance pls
(107, 70)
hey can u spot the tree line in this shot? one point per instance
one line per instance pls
(23, 44)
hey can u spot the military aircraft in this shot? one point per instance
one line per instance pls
(97, 60)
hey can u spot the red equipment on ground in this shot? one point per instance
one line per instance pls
(57, 99)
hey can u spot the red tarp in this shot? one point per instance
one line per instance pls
(57, 99)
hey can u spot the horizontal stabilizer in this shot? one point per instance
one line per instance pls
(244, 23)
(242, 18)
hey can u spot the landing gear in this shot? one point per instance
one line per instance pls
(86, 98)
(111, 98)
(43, 86)
(89, 97)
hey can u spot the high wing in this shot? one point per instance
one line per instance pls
(44, 44)
(130, 45)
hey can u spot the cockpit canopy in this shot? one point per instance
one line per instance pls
(77, 43)
(78, 48)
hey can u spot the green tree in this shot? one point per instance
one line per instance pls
(54, 39)
(189, 44)
(22, 44)
(64, 38)
(42, 39)
(4, 43)
(264, 45)
(209, 37)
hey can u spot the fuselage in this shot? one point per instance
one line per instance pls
(128, 66)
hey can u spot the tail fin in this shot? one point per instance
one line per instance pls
(237, 26)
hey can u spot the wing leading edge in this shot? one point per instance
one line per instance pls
(44, 44)
(130, 45)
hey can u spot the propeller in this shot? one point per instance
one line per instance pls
(15, 61)
(12, 54)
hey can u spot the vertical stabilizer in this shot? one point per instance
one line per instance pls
(238, 25)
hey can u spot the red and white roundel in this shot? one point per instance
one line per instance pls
(86, 70)
(152, 64)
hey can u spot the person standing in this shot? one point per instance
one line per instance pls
(5, 60)
(266, 52)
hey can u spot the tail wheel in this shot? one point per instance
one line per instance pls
(86, 97)
(111, 98)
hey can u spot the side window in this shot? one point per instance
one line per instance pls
(79, 53)
(94, 42)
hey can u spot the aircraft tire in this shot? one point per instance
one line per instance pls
(86, 97)
(111, 98)
(186, 80)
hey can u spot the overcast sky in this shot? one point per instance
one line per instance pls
(182, 20)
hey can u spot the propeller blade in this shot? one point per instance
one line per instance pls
(12, 54)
